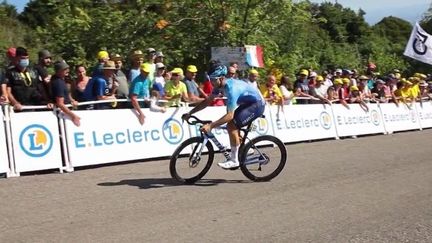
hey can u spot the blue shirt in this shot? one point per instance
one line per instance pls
(97, 86)
(140, 87)
(192, 87)
(133, 74)
(59, 89)
(239, 92)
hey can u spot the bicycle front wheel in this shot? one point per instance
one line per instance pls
(263, 158)
(191, 160)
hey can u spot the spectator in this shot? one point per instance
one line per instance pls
(355, 97)
(337, 74)
(80, 83)
(301, 87)
(140, 89)
(271, 91)
(364, 90)
(332, 94)
(235, 66)
(316, 92)
(159, 57)
(231, 72)
(97, 87)
(175, 89)
(342, 94)
(320, 89)
(10, 54)
(403, 93)
(286, 88)
(159, 82)
(207, 88)
(60, 92)
(193, 90)
(137, 58)
(150, 59)
(380, 92)
(253, 78)
(102, 57)
(22, 83)
(424, 93)
(41, 68)
(327, 79)
(119, 77)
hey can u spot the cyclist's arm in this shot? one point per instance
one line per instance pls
(203, 104)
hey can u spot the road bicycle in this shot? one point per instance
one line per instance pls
(261, 158)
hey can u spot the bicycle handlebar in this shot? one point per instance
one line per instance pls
(195, 120)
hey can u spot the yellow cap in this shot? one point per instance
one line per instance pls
(192, 68)
(253, 71)
(354, 88)
(420, 75)
(304, 72)
(102, 55)
(338, 81)
(398, 75)
(145, 67)
(346, 80)
(177, 70)
(320, 78)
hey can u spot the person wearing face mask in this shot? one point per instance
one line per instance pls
(23, 83)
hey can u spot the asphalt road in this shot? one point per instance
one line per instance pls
(370, 189)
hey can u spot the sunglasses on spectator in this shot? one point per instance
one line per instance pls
(175, 74)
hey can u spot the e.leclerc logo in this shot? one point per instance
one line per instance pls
(375, 117)
(262, 126)
(36, 140)
(325, 120)
(172, 131)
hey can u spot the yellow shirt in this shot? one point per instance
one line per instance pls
(274, 91)
(171, 90)
(415, 90)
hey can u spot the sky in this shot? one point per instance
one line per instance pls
(410, 10)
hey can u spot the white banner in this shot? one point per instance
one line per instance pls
(419, 46)
(424, 112)
(399, 118)
(302, 122)
(4, 160)
(356, 121)
(35, 139)
(107, 136)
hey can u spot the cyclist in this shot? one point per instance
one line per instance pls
(244, 104)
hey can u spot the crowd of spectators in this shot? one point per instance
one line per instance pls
(149, 84)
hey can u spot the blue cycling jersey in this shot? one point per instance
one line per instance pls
(239, 92)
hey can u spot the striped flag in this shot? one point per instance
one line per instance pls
(254, 56)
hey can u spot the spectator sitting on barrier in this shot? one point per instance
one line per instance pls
(137, 59)
(286, 87)
(356, 97)
(175, 89)
(140, 89)
(271, 92)
(195, 93)
(60, 91)
(23, 83)
(119, 78)
(97, 87)
(253, 78)
(102, 57)
(301, 87)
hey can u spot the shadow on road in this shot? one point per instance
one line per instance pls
(167, 182)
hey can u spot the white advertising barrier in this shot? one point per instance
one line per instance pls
(4, 160)
(106, 136)
(302, 122)
(262, 126)
(35, 141)
(424, 112)
(356, 121)
(399, 118)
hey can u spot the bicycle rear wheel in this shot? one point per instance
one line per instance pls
(263, 158)
(191, 160)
